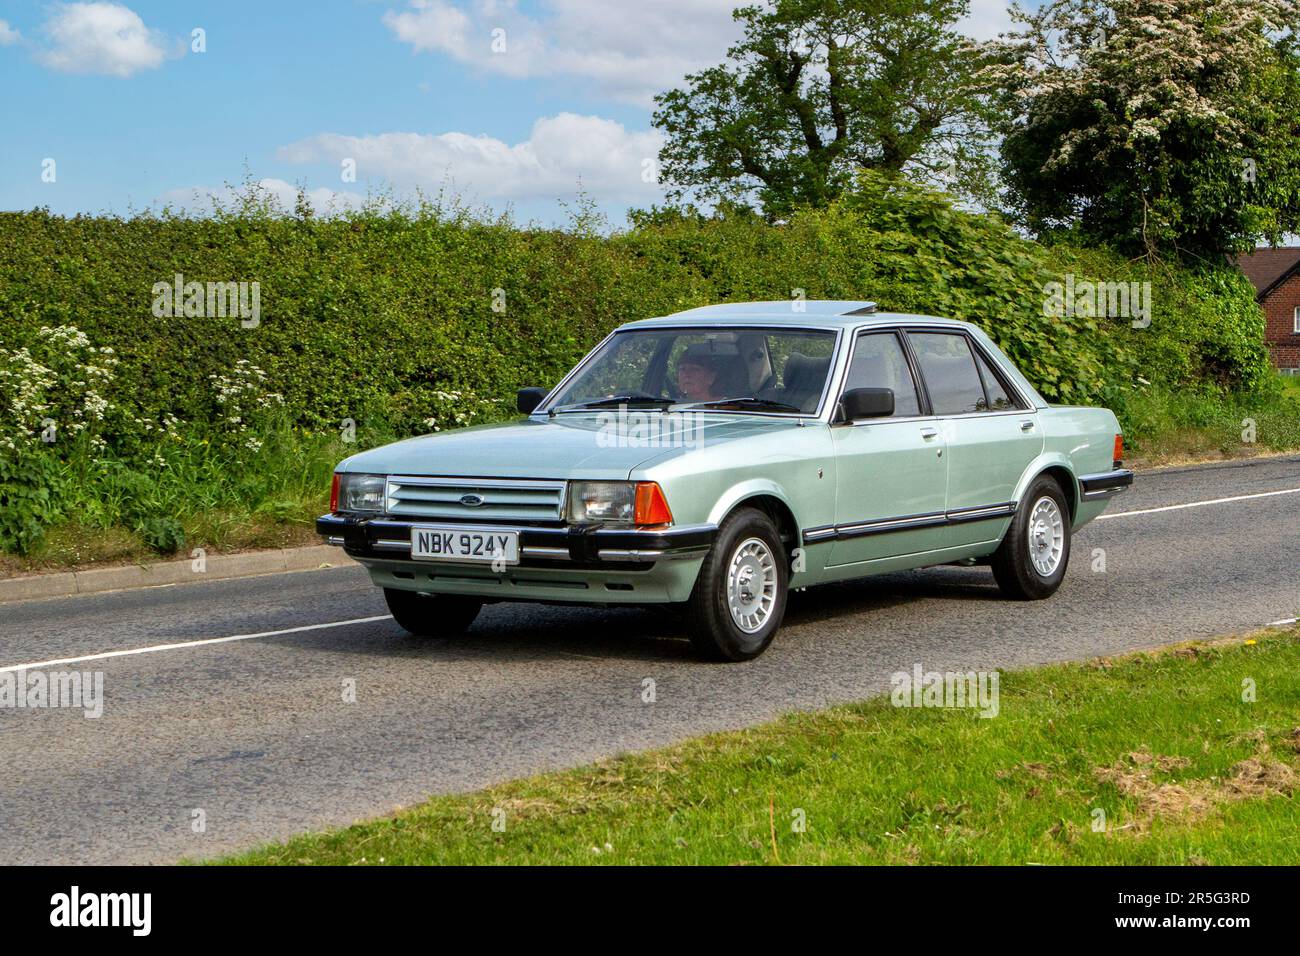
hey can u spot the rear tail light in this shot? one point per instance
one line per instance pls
(1119, 451)
(651, 507)
(334, 493)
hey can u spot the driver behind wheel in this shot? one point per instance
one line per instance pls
(700, 372)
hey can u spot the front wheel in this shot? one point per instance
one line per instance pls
(1030, 563)
(740, 595)
(432, 615)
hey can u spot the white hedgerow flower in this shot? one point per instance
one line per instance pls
(244, 400)
(65, 385)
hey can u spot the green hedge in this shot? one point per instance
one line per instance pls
(386, 317)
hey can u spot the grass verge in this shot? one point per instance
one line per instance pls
(1184, 769)
(193, 495)
(1164, 427)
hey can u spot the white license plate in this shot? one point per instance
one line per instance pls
(458, 543)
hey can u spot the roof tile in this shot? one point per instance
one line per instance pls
(1265, 265)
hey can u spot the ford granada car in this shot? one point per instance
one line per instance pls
(716, 458)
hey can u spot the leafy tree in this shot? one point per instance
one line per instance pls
(820, 89)
(1163, 127)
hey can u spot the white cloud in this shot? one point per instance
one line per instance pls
(430, 26)
(611, 162)
(105, 38)
(630, 50)
(202, 199)
(987, 18)
(8, 35)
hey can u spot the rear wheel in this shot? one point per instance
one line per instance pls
(432, 615)
(740, 595)
(1030, 563)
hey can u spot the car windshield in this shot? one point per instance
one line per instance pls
(728, 369)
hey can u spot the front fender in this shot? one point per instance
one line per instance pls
(752, 488)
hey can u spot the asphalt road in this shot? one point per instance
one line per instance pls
(255, 733)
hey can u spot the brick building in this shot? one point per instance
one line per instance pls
(1275, 274)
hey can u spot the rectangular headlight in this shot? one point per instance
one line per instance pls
(362, 492)
(618, 503)
(602, 502)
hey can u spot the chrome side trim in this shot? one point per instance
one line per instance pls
(962, 515)
(887, 525)
(934, 519)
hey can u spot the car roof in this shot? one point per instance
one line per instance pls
(814, 313)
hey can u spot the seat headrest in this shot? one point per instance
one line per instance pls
(805, 373)
(712, 354)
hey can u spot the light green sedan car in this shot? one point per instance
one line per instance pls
(716, 458)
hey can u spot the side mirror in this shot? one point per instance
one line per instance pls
(527, 399)
(860, 403)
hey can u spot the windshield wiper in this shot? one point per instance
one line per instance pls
(633, 399)
(749, 402)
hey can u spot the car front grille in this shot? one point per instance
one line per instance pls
(475, 499)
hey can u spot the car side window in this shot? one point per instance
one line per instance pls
(879, 362)
(999, 399)
(950, 374)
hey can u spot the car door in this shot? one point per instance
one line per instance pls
(891, 473)
(991, 434)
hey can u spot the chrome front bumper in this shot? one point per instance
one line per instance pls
(573, 545)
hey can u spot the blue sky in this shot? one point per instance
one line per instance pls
(509, 103)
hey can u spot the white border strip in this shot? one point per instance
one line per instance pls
(1200, 504)
(183, 644)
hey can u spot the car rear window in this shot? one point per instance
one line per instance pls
(999, 399)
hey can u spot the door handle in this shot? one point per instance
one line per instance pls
(1026, 426)
(928, 433)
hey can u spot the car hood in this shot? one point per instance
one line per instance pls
(571, 445)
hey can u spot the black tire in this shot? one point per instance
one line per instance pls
(1013, 561)
(432, 615)
(709, 622)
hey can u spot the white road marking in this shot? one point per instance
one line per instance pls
(1284, 623)
(200, 643)
(1200, 504)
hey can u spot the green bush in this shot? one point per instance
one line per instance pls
(386, 318)
(163, 535)
(29, 487)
